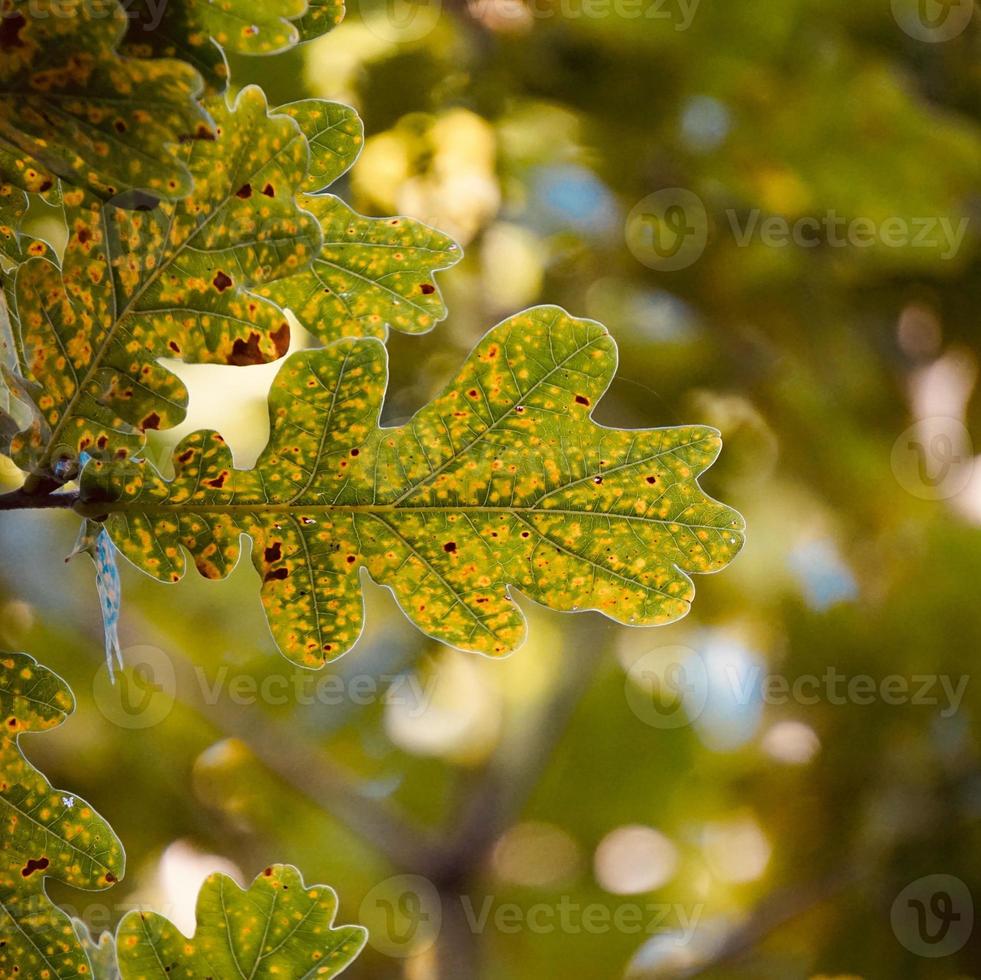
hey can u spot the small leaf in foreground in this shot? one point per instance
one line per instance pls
(46, 832)
(277, 928)
(503, 480)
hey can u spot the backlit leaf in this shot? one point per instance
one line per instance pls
(173, 281)
(371, 275)
(197, 31)
(46, 833)
(84, 113)
(335, 135)
(320, 17)
(503, 480)
(278, 928)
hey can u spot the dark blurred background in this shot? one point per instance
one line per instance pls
(774, 207)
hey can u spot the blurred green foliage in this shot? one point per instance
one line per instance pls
(781, 830)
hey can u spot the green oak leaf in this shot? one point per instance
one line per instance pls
(371, 275)
(335, 135)
(503, 480)
(178, 280)
(199, 32)
(82, 112)
(320, 17)
(278, 927)
(46, 833)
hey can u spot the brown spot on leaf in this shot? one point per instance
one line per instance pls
(219, 481)
(274, 552)
(34, 864)
(246, 351)
(83, 235)
(207, 569)
(221, 282)
(269, 190)
(281, 339)
(186, 456)
(652, 479)
(277, 573)
(450, 547)
(427, 289)
(10, 28)
(582, 400)
(244, 192)
(152, 421)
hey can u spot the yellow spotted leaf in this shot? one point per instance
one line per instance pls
(320, 17)
(198, 31)
(73, 107)
(45, 832)
(335, 134)
(277, 928)
(371, 275)
(503, 480)
(178, 280)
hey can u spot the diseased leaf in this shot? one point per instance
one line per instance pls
(320, 17)
(279, 927)
(174, 281)
(503, 480)
(371, 275)
(46, 832)
(335, 134)
(198, 32)
(84, 113)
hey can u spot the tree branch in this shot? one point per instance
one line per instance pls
(22, 500)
